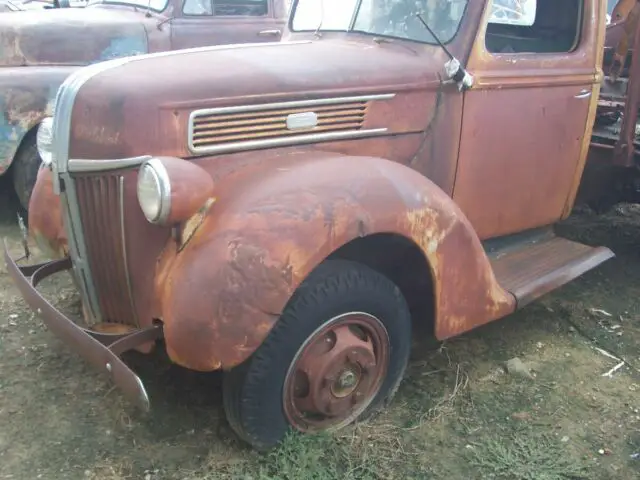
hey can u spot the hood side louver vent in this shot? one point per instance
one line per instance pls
(257, 126)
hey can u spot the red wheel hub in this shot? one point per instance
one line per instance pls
(337, 372)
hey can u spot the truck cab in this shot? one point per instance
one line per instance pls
(295, 213)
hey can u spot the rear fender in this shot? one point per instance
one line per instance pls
(271, 225)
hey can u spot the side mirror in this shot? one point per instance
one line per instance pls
(61, 4)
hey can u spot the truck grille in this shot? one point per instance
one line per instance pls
(99, 200)
(209, 129)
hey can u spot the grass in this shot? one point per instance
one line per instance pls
(525, 457)
(365, 453)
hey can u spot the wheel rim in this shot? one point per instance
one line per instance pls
(336, 373)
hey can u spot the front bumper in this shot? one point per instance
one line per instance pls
(100, 349)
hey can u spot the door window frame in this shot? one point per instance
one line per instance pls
(580, 43)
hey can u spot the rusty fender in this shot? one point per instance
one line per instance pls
(45, 217)
(271, 225)
(27, 95)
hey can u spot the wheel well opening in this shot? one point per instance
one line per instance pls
(13, 197)
(30, 135)
(403, 262)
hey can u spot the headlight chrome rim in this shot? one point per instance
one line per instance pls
(163, 190)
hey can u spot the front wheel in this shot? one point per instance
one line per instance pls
(337, 353)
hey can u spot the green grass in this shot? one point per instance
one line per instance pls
(525, 457)
(325, 457)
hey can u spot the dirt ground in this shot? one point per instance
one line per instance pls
(458, 415)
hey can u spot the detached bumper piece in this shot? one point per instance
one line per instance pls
(100, 349)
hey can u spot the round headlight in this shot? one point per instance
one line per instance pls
(44, 140)
(154, 191)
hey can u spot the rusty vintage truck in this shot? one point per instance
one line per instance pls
(40, 48)
(295, 213)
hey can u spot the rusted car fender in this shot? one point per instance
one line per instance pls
(273, 223)
(27, 95)
(45, 210)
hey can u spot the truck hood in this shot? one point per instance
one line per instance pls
(155, 88)
(70, 36)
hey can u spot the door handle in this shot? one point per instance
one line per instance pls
(270, 33)
(583, 94)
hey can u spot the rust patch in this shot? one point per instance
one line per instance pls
(71, 36)
(24, 102)
(99, 134)
(45, 217)
(113, 328)
(193, 223)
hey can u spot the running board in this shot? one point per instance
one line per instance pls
(532, 264)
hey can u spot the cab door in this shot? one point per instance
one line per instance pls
(527, 120)
(218, 22)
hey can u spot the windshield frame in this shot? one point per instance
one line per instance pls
(354, 17)
(131, 3)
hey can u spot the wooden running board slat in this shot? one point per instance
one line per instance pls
(534, 269)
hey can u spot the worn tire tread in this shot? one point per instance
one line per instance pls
(330, 280)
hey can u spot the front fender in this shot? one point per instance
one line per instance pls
(27, 95)
(271, 225)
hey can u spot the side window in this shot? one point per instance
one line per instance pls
(225, 8)
(244, 8)
(534, 26)
(197, 7)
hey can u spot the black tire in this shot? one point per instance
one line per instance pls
(25, 170)
(253, 392)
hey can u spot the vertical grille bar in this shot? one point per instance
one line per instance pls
(98, 199)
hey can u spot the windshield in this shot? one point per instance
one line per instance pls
(388, 18)
(157, 5)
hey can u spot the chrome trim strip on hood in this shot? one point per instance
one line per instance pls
(284, 141)
(82, 165)
(293, 104)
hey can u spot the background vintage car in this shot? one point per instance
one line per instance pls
(22, 5)
(40, 48)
